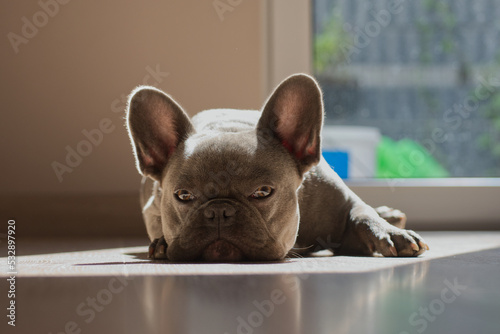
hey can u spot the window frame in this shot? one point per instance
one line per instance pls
(451, 203)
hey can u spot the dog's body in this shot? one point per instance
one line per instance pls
(233, 184)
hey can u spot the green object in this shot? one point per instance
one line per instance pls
(406, 159)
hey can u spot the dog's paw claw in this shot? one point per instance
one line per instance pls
(152, 247)
(423, 245)
(408, 243)
(158, 249)
(393, 250)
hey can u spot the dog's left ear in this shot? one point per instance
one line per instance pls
(293, 114)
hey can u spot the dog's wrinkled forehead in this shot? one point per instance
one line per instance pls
(207, 144)
(228, 159)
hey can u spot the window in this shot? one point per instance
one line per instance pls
(412, 62)
(425, 74)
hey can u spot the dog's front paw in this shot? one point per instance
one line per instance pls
(158, 249)
(391, 241)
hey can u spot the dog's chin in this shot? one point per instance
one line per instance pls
(222, 251)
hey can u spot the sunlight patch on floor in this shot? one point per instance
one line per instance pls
(133, 261)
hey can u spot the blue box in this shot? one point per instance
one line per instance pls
(339, 161)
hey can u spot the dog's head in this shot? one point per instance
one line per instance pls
(229, 195)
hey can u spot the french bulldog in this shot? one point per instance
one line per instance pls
(232, 185)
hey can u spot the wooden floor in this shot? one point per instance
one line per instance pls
(108, 286)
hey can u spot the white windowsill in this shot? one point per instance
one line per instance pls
(456, 182)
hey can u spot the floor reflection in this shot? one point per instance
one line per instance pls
(222, 304)
(355, 302)
(445, 295)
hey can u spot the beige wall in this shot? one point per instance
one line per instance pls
(68, 76)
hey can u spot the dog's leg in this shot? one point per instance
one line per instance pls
(158, 246)
(150, 202)
(333, 217)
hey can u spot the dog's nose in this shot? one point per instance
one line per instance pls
(219, 212)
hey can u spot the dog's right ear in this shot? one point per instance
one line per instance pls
(156, 125)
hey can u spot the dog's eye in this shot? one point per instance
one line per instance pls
(262, 192)
(184, 195)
